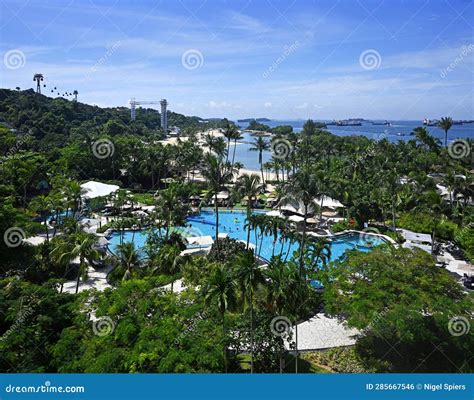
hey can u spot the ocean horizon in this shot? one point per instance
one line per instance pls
(399, 130)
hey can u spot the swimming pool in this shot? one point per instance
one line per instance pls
(233, 224)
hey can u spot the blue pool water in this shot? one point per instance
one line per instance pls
(233, 224)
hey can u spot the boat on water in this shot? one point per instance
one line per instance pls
(430, 122)
(385, 123)
(349, 122)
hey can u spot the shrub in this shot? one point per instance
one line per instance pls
(338, 359)
(424, 223)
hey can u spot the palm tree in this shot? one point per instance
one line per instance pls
(260, 145)
(249, 186)
(129, 258)
(248, 276)
(298, 293)
(423, 137)
(302, 188)
(445, 124)
(220, 287)
(73, 193)
(170, 261)
(318, 250)
(465, 188)
(80, 245)
(217, 175)
(166, 206)
(235, 136)
(229, 133)
(42, 205)
(215, 145)
(278, 276)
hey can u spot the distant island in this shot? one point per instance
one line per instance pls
(254, 119)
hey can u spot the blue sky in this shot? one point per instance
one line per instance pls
(279, 59)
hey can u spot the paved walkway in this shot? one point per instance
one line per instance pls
(96, 279)
(321, 332)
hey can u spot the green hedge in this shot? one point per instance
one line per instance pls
(424, 223)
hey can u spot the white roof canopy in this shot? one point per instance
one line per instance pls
(328, 202)
(274, 213)
(97, 189)
(200, 240)
(223, 195)
(295, 218)
(416, 237)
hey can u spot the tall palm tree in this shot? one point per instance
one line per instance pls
(318, 251)
(166, 206)
(249, 186)
(220, 288)
(445, 124)
(129, 258)
(302, 188)
(170, 261)
(43, 206)
(465, 188)
(73, 193)
(235, 136)
(217, 175)
(80, 245)
(248, 276)
(298, 293)
(229, 132)
(215, 145)
(278, 280)
(260, 145)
